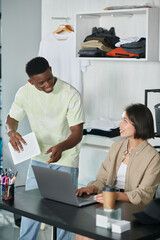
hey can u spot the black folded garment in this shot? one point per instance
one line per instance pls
(138, 47)
(112, 133)
(103, 31)
(110, 37)
(91, 52)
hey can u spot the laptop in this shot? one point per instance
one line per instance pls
(57, 185)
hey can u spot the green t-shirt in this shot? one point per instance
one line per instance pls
(50, 116)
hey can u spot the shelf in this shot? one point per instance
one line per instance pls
(94, 146)
(139, 22)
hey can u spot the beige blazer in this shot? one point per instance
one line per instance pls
(142, 175)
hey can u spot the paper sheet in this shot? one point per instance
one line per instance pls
(30, 150)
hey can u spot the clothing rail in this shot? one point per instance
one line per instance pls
(61, 18)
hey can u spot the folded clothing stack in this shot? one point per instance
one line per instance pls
(105, 43)
(98, 43)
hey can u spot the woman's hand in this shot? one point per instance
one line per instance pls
(88, 190)
(119, 196)
(99, 198)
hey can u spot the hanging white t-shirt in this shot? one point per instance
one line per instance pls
(60, 54)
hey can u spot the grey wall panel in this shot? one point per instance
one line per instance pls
(21, 32)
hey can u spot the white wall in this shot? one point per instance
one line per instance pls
(109, 84)
(21, 33)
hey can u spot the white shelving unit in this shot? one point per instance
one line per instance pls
(139, 22)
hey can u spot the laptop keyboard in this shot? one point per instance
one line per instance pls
(84, 199)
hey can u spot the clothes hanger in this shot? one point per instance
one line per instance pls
(63, 28)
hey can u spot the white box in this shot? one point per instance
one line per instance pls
(106, 218)
(103, 221)
(121, 226)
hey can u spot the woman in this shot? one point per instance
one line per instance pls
(132, 164)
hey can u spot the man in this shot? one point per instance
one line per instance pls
(55, 113)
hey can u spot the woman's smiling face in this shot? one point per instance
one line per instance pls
(126, 127)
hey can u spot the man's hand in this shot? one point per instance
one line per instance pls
(16, 140)
(88, 190)
(56, 153)
(73, 139)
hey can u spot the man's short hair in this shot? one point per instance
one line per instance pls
(36, 65)
(142, 119)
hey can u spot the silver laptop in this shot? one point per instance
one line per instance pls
(57, 185)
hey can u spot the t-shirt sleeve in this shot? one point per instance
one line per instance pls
(75, 114)
(17, 110)
(84, 64)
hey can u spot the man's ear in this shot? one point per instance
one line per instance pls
(30, 81)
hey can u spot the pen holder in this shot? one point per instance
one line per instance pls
(7, 191)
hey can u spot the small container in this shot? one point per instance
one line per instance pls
(7, 191)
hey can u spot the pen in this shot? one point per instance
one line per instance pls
(14, 178)
(6, 172)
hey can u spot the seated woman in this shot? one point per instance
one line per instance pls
(132, 164)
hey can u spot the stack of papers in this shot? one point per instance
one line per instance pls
(30, 150)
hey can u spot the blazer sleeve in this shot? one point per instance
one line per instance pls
(144, 193)
(103, 173)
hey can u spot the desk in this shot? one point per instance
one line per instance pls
(78, 220)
